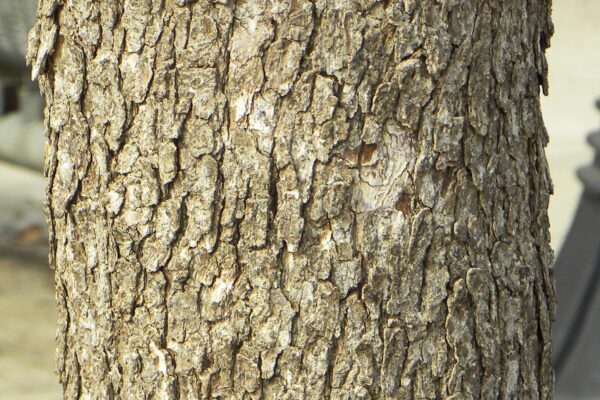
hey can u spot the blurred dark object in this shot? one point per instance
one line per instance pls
(577, 270)
(21, 139)
(11, 98)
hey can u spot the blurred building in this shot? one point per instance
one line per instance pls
(21, 131)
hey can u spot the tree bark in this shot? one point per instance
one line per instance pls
(294, 199)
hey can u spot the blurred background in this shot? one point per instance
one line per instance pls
(27, 316)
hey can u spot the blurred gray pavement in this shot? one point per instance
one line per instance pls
(27, 306)
(28, 326)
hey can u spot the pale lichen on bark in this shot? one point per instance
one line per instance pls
(296, 199)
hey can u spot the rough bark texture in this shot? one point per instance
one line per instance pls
(294, 199)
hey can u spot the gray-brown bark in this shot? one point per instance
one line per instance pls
(296, 199)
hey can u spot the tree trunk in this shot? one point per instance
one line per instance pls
(294, 199)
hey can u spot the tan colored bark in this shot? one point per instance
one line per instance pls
(295, 199)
